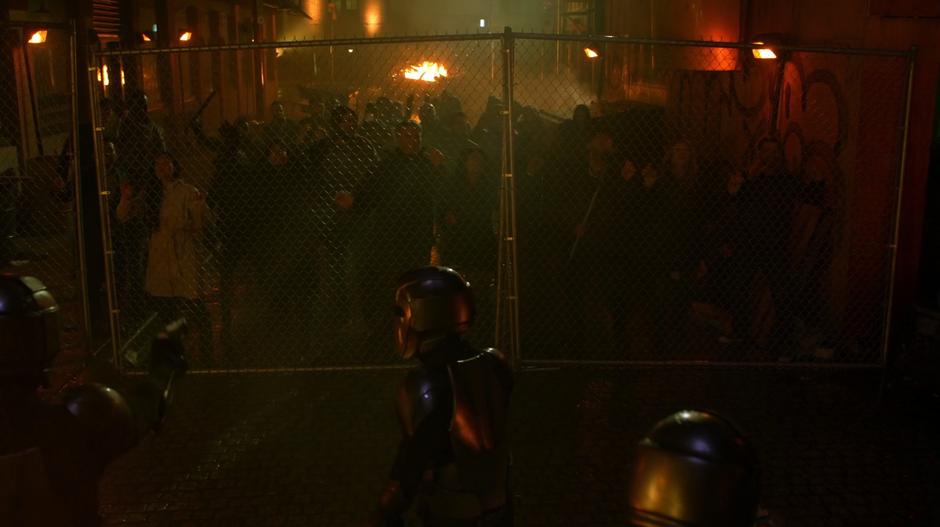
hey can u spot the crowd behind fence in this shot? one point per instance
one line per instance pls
(712, 214)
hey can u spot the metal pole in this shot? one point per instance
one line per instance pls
(548, 363)
(30, 85)
(779, 77)
(258, 58)
(492, 60)
(114, 323)
(292, 44)
(572, 39)
(893, 247)
(510, 287)
(576, 39)
(76, 168)
(500, 255)
(557, 41)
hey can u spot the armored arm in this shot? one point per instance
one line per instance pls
(424, 413)
(151, 396)
(114, 411)
(501, 367)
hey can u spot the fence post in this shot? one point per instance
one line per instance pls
(81, 12)
(895, 232)
(507, 280)
(104, 192)
(76, 166)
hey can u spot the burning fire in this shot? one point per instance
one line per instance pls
(426, 71)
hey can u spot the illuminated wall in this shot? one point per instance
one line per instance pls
(373, 15)
(441, 16)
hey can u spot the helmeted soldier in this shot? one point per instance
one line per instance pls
(453, 459)
(52, 452)
(694, 469)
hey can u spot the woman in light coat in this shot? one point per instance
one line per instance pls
(173, 262)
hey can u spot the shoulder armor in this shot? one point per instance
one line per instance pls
(422, 392)
(501, 366)
(105, 417)
(497, 354)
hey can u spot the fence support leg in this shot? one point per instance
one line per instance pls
(895, 233)
(507, 281)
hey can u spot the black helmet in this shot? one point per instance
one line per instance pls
(137, 103)
(427, 112)
(431, 303)
(694, 469)
(340, 113)
(29, 330)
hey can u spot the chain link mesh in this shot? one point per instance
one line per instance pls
(714, 207)
(38, 223)
(280, 240)
(724, 208)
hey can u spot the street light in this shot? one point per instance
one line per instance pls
(591, 53)
(186, 36)
(763, 53)
(771, 47)
(38, 37)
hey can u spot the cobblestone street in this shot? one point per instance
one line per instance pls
(313, 448)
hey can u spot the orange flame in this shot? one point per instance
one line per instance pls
(38, 37)
(426, 71)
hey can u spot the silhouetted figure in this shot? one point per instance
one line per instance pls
(468, 207)
(453, 460)
(397, 229)
(280, 129)
(232, 199)
(52, 452)
(348, 160)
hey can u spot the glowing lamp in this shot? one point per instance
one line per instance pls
(186, 36)
(591, 53)
(763, 53)
(38, 37)
(145, 37)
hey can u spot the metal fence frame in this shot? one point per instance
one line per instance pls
(507, 325)
(74, 165)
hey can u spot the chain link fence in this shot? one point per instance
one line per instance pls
(723, 208)
(39, 232)
(672, 201)
(280, 239)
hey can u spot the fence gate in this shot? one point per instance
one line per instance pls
(718, 206)
(280, 240)
(40, 232)
(714, 207)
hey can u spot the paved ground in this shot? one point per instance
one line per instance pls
(313, 449)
